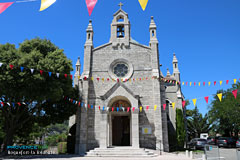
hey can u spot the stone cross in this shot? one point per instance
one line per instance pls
(120, 4)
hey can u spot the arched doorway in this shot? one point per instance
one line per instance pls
(120, 123)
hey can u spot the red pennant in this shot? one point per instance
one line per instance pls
(11, 66)
(2, 103)
(99, 108)
(164, 107)
(71, 100)
(133, 109)
(117, 80)
(186, 83)
(179, 83)
(140, 79)
(147, 107)
(19, 104)
(203, 83)
(79, 103)
(227, 81)
(183, 103)
(88, 105)
(146, 78)
(41, 72)
(71, 76)
(90, 5)
(133, 79)
(65, 75)
(85, 78)
(194, 83)
(128, 109)
(98, 79)
(4, 6)
(108, 79)
(215, 83)
(206, 99)
(234, 92)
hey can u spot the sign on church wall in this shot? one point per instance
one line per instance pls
(146, 130)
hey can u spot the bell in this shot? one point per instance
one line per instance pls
(120, 34)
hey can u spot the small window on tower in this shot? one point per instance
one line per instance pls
(152, 33)
(88, 35)
(175, 65)
(120, 31)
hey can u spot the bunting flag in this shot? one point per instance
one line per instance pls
(199, 83)
(206, 99)
(173, 105)
(234, 92)
(4, 6)
(117, 109)
(183, 103)
(143, 4)
(140, 108)
(164, 107)
(32, 70)
(214, 83)
(21, 69)
(227, 81)
(155, 107)
(209, 83)
(71, 76)
(194, 101)
(11, 66)
(235, 81)
(2, 103)
(194, 83)
(1, 64)
(147, 107)
(220, 82)
(46, 3)
(128, 109)
(57, 75)
(112, 109)
(219, 96)
(133, 109)
(50, 74)
(190, 83)
(90, 5)
(103, 108)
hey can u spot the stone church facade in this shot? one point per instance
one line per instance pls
(122, 62)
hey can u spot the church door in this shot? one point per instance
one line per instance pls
(121, 131)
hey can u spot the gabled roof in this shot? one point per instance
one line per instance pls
(114, 88)
(120, 10)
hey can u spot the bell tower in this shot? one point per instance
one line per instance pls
(120, 28)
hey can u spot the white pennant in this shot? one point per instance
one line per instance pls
(85, 105)
(1, 64)
(107, 108)
(32, 71)
(8, 103)
(23, 103)
(57, 75)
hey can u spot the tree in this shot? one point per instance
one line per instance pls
(42, 94)
(197, 123)
(225, 114)
(180, 128)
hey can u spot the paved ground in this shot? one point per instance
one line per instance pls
(225, 153)
(166, 156)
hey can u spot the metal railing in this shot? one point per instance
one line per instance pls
(238, 154)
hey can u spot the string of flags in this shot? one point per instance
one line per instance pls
(47, 3)
(98, 79)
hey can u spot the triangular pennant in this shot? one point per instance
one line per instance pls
(99, 108)
(90, 5)
(2, 103)
(173, 105)
(79, 103)
(65, 75)
(70, 76)
(194, 101)
(155, 107)
(183, 103)
(194, 83)
(133, 109)
(199, 83)
(220, 82)
(117, 109)
(1, 64)
(21, 68)
(234, 92)
(19, 104)
(209, 83)
(235, 81)
(219, 96)
(46, 3)
(143, 4)
(11, 66)
(92, 78)
(190, 83)
(182, 83)
(206, 99)
(204, 83)
(186, 83)
(147, 107)
(103, 108)
(128, 109)
(91, 106)
(164, 106)
(215, 83)
(32, 70)
(112, 109)
(227, 81)
(41, 72)
(50, 74)
(4, 6)
(57, 75)
(140, 108)
(78, 77)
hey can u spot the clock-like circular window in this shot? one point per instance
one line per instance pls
(120, 69)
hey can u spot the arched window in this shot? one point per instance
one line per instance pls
(120, 19)
(120, 31)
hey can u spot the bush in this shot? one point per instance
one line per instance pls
(180, 128)
(62, 147)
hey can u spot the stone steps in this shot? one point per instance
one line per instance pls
(120, 152)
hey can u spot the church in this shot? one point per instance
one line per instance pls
(123, 82)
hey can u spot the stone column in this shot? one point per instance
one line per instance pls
(103, 130)
(135, 129)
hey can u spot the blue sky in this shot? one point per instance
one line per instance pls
(204, 34)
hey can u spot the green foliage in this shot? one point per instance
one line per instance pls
(62, 147)
(225, 115)
(45, 93)
(197, 123)
(180, 128)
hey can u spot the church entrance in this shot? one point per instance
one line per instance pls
(121, 131)
(120, 123)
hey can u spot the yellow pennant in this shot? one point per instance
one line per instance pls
(182, 83)
(92, 78)
(140, 109)
(220, 83)
(155, 107)
(219, 96)
(194, 101)
(143, 79)
(235, 81)
(199, 83)
(121, 79)
(78, 77)
(143, 4)
(46, 3)
(130, 80)
(209, 83)
(103, 79)
(173, 105)
(136, 79)
(190, 83)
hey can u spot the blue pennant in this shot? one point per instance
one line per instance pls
(117, 109)
(74, 101)
(82, 104)
(49, 73)
(92, 106)
(13, 104)
(103, 108)
(21, 68)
